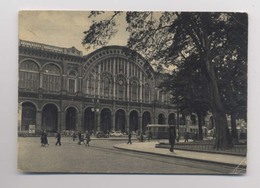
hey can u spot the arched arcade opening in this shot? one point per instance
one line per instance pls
(120, 121)
(89, 119)
(28, 115)
(133, 121)
(50, 118)
(71, 118)
(146, 119)
(105, 121)
(161, 119)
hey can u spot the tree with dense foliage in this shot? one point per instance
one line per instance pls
(170, 38)
(189, 90)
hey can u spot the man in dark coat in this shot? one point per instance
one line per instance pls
(80, 137)
(129, 138)
(172, 137)
(58, 137)
(87, 139)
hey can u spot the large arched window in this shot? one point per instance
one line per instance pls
(29, 78)
(91, 84)
(134, 91)
(51, 78)
(106, 85)
(121, 87)
(28, 115)
(161, 96)
(72, 82)
(147, 93)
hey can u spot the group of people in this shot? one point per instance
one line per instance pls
(82, 138)
(85, 138)
(44, 139)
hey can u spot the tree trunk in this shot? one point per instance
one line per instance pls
(223, 136)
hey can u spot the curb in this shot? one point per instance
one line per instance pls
(191, 159)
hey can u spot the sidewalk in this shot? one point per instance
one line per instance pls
(149, 147)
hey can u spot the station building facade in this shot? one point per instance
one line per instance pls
(112, 88)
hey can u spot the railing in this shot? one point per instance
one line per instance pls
(44, 47)
(206, 147)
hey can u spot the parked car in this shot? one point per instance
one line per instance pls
(102, 135)
(116, 134)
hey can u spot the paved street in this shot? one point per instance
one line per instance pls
(102, 157)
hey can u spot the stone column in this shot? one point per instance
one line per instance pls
(64, 82)
(127, 90)
(79, 121)
(114, 87)
(140, 122)
(141, 92)
(20, 108)
(97, 120)
(62, 121)
(166, 120)
(38, 120)
(113, 121)
(127, 122)
(80, 88)
(41, 79)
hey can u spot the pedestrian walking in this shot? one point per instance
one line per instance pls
(172, 137)
(58, 137)
(80, 138)
(44, 139)
(186, 137)
(129, 138)
(87, 138)
(149, 135)
(141, 137)
(74, 136)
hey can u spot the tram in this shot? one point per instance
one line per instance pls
(161, 131)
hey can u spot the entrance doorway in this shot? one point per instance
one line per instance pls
(120, 121)
(71, 118)
(50, 118)
(161, 119)
(133, 121)
(105, 121)
(89, 120)
(28, 115)
(146, 120)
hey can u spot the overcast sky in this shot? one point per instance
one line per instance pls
(61, 28)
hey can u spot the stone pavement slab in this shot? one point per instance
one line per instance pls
(149, 147)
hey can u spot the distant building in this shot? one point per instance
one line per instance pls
(112, 88)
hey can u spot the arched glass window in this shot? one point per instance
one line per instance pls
(29, 77)
(72, 82)
(106, 87)
(121, 88)
(134, 90)
(160, 96)
(91, 84)
(147, 93)
(51, 78)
